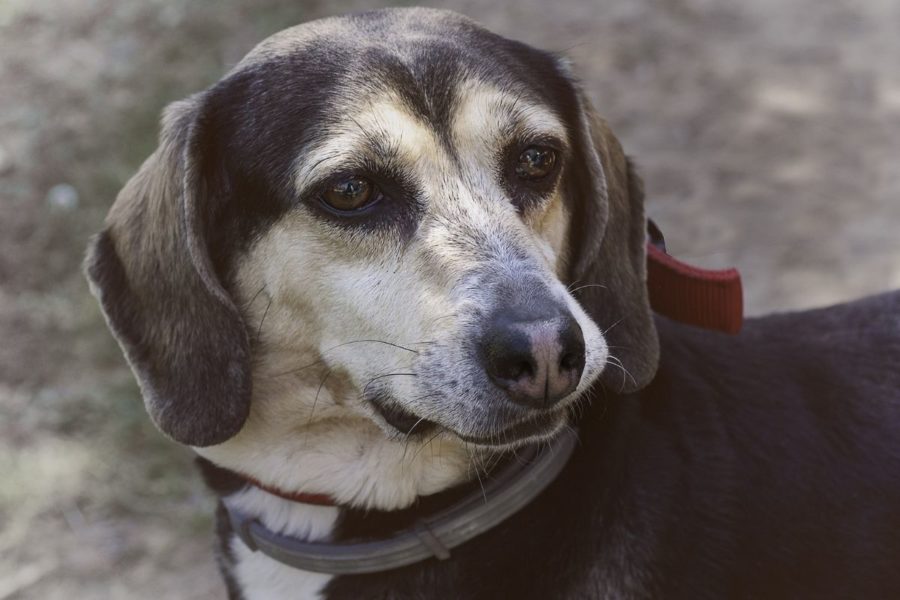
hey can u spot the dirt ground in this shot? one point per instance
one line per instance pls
(768, 133)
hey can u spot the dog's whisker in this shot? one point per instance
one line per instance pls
(312, 412)
(391, 344)
(411, 429)
(319, 391)
(494, 461)
(608, 329)
(477, 474)
(255, 296)
(574, 432)
(383, 376)
(427, 442)
(516, 456)
(615, 360)
(367, 341)
(304, 367)
(406, 436)
(618, 364)
(263, 320)
(589, 285)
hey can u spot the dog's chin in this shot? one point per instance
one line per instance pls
(537, 427)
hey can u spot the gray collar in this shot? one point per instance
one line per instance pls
(508, 490)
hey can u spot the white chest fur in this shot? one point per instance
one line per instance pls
(262, 578)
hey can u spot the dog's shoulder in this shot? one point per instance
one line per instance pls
(828, 377)
(786, 435)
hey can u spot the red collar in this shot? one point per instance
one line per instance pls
(711, 299)
(302, 497)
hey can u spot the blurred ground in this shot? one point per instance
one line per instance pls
(768, 133)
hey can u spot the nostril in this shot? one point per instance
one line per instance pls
(573, 350)
(571, 361)
(515, 370)
(508, 368)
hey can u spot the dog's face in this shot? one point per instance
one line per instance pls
(381, 218)
(421, 244)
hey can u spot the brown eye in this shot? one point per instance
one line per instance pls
(536, 162)
(349, 194)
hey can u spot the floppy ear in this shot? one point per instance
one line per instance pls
(608, 250)
(152, 272)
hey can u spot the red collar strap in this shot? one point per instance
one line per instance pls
(711, 299)
(302, 497)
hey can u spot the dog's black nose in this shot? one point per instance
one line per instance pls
(537, 362)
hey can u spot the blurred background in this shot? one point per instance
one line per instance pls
(768, 133)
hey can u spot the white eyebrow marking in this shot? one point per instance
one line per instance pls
(384, 120)
(487, 117)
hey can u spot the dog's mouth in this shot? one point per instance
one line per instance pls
(401, 419)
(536, 427)
(540, 425)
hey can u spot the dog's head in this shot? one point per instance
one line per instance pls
(395, 218)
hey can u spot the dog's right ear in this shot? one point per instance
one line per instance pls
(608, 251)
(151, 270)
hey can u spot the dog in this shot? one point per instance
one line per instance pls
(390, 254)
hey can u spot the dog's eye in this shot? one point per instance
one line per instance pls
(536, 162)
(350, 194)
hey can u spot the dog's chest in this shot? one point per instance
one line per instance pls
(261, 578)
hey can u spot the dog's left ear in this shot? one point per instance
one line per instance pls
(152, 270)
(607, 253)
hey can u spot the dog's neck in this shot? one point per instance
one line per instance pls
(262, 577)
(303, 437)
(381, 475)
(352, 462)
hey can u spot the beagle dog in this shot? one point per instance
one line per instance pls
(389, 252)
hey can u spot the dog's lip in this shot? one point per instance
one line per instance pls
(408, 423)
(399, 418)
(534, 426)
